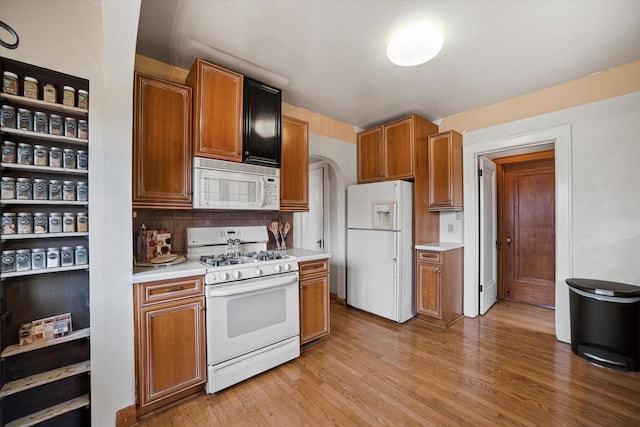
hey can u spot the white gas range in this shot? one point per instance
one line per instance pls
(251, 294)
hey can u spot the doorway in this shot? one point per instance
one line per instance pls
(313, 225)
(526, 228)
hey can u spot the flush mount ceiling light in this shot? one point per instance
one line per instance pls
(415, 45)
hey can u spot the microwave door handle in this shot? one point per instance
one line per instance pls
(262, 192)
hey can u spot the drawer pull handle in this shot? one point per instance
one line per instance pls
(175, 289)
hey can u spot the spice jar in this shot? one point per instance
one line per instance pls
(82, 222)
(55, 124)
(40, 122)
(81, 156)
(49, 93)
(23, 259)
(82, 192)
(25, 223)
(8, 117)
(9, 152)
(69, 222)
(70, 129)
(69, 158)
(8, 261)
(40, 155)
(83, 129)
(55, 222)
(81, 255)
(25, 154)
(8, 188)
(30, 87)
(68, 190)
(83, 99)
(25, 119)
(53, 257)
(40, 223)
(66, 256)
(38, 259)
(10, 83)
(55, 157)
(39, 189)
(23, 189)
(69, 96)
(55, 190)
(9, 224)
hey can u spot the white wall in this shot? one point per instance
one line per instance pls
(97, 43)
(605, 188)
(341, 156)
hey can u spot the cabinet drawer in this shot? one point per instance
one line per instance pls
(319, 266)
(429, 256)
(165, 290)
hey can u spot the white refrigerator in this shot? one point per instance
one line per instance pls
(380, 249)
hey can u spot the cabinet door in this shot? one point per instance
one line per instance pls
(445, 170)
(398, 149)
(294, 172)
(370, 155)
(261, 129)
(217, 110)
(429, 289)
(314, 307)
(162, 143)
(171, 348)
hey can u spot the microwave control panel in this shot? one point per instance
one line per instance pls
(272, 194)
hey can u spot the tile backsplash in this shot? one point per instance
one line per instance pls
(176, 221)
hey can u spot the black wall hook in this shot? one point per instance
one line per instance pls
(11, 31)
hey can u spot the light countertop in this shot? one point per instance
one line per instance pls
(440, 246)
(307, 254)
(151, 274)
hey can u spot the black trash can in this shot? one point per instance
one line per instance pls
(605, 322)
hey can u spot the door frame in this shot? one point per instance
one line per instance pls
(501, 162)
(475, 147)
(297, 223)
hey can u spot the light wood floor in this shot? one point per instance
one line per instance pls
(505, 368)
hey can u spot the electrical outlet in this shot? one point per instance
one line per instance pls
(450, 227)
(459, 216)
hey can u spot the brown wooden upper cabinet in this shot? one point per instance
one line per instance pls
(217, 111)
(388, 151)
(161, 144)
(445, 171)
(294, 172)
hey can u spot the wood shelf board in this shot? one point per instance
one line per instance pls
(16, 349)
(43, 271)
(43, 104)
(51, 412)
(34, 168)
(44, 136)
(4, 237)
(43, 202)
(37, 380)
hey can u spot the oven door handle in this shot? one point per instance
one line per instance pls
(254, 285)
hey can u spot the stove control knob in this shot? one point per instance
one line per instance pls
(276, 268)
(287, 267)
(224, 275)
(236, 274)
(258, 272)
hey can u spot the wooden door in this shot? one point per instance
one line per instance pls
(370, 155)
(398, 149)
(488, 235)
(162, 143)
(217, 111)
(527, 232)
(294, 173)
(428, 289)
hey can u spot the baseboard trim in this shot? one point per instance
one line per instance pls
(126, 417)
(334, 298)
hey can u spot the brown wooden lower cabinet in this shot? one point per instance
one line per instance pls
(439, 286)
(314, 299)
(170, 341)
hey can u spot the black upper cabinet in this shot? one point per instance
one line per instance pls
(261, 118)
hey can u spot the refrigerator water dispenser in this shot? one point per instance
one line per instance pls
(383, 214)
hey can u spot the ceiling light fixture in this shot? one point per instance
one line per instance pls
(415, 45)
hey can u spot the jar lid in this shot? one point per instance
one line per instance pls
(23, 251)
(37, 250)
(40, 214)
(10, 74)
(69, 88)
(24, 110)
(80, 247)
(68, 248)
(82, 91)
(24, 214)
(30, 79)
(69, 214)
(53, 249)
(7, 107)
(54, 149)
(8, 178)
(54, 115)
(39, 147)
(8, 252)
(24, 144)
(55, 214)
(80, 151)
(24, 179)
(82, 183)
(66, 150)
(8, 214)
(9, 143)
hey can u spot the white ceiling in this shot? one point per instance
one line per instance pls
(329, 56)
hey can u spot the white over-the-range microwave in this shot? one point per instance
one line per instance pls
(218, 184)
